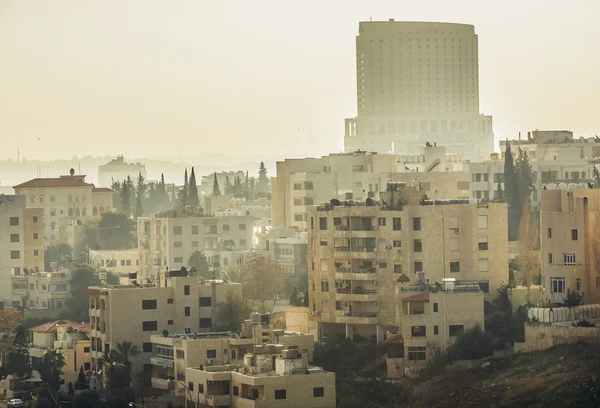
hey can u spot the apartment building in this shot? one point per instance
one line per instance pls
(259, 208)
(178, 303)
(68, 337)
(118, 170)
(287, 246)
(418, 82)
(268, 378)
(570, 221)
(21, 243)
(41, 290)
(358, 253)
(431, 316)
(207, 182)
(168, 238)
(172, 354)
(117, 261)
(66, 201)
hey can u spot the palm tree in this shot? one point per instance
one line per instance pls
(126, 349)
(230, 274)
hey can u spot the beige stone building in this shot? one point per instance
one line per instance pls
(66, 201)
(70, 338)
(172, 354)
(117, 261)
(287, 246)
(268, 378)
(569, 235)
(358, 254)
(431, 317)
(176, 303)
(418, 82)
(168, 238)
(118, 170)
(42, 290)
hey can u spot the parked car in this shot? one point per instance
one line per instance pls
(14, 403)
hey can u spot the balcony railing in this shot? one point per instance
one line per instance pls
(355, 314)
(355, 227)
(356, 270)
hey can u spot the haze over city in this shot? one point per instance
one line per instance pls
(152, 78)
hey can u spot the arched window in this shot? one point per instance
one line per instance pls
(77, 212)
(76, 197)
(32, 199)
(95, 212)
(52, 225)
(84, 212)
(41, 198)
(70, 213)
(102, 304)
(52, 198)
(101, 210)
(83, 198)
(70, 198)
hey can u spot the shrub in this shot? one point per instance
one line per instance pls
(584, 323)
(472, 344)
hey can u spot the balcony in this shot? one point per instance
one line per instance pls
(217, 400)
(355, 227)
(357, 294)
(343, 273)
(356, 317)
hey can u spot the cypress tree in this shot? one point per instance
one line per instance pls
(184, 192)
(193, 190)
(511, 193)
(216, 189)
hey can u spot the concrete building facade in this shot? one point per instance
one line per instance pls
(41, 290)
(418, 82)
(118, 170)
(570, 221)
(12, 243)
(358, 253)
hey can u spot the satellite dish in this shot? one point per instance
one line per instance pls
(99, 371)
(72, 171)
(165, 333)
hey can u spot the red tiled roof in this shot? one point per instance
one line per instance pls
(101, 190)
(421, 297)
(50, 327)
(53, 182)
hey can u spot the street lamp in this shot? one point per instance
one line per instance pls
(184, 386)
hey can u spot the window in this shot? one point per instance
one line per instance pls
(549, 259)
(297, 186)
(178, 259)
(418, 266)
(557, 285)
(169, 301)
(484, 286)
(170, 322)
(382, 264)
(205, 323)
(397, 268)
(53, 212)
(151, 325)
(211, 353)
(381, 221)
(569, 258)
(577, 284)
(14, 221)
(454, 244)
(36, 235)
(242, 227)
(482, 245)
(87, 349)
(148, 304)
(177, 230)
(180, 354)
(549, 232)
(418, 331)
(242, 242)
(186, 290)
(318, 392)
(397, 244)
(191, 386)
(187, 311)
(236, 390)
(280, 394)
(454, 266)
(181, 377)
(195, 229)
(435, 308)
(324, 286)
(483, 265)
(15, 254)
(35, 219)
(454, 329)
(205, 301)
(436, 330)
(323, 242)
(417, 353)
(298, 217)
(297, 201)
(14, 237)
(417, 224)
(418, 245)
(322, 223)
(574, 234)
(482, 221)
(147, 347)
(308, 185)
(397, 224)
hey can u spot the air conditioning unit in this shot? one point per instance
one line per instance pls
(375, 282)
(375, 262)
(388, 247)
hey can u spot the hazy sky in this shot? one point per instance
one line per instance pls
(148, 78)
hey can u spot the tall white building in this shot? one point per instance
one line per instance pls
(418, 82)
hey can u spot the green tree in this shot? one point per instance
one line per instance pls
(82, 277)
(50, 368)
(141, 194)
(125, 198)
(228, 186)
(61, 254)
(116, 188)
(216, 189)
(472, 344)
(193, 190)
(246, 187)
(139, 209)
(511, 194)
(230, 274)
(262, 277)
(199, 263)
(263, 180)
(231, 313)
(499, 193)
(572, 298)
(524, 176)
(116, 231)
(81, 383)
(19, 361)
(185, 191)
